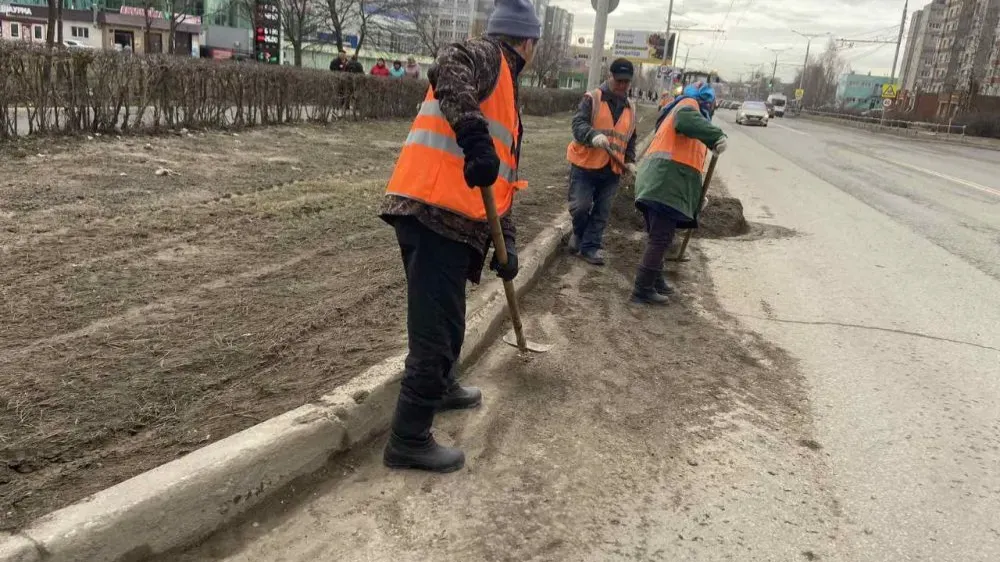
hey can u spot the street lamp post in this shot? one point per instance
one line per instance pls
(805, 64)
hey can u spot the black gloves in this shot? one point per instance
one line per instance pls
(482, 165)
(506, 272)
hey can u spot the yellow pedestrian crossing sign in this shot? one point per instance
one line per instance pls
(890, 91)
(799, 94)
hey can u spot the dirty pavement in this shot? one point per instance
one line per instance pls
(645, 434)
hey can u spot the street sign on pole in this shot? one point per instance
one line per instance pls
(799, 94)
(890, 91)
(611, 5)
(887, 103)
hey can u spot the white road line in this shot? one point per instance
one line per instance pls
(959, 181)
(796, 131)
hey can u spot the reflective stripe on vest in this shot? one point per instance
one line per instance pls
(669, 145)
(431, 164)
(603, 122)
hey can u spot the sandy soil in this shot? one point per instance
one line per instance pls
(147, 315)
(603, 449)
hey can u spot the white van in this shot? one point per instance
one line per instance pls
(780, 102)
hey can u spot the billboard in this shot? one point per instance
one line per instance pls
(639, 46)
(267, 32)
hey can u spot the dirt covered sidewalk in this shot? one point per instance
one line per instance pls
(161, 293)
(645, 434)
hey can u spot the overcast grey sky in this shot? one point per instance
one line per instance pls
(751, 26)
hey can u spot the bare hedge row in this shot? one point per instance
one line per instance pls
(66, 92)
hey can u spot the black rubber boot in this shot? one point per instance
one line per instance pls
(461, 398)
(573, 245)
(661, 287)
(645, 288)
(411, 444)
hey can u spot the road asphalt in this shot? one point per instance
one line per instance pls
(889, 298)
(826, 387)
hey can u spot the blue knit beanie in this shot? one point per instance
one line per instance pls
(514, 18)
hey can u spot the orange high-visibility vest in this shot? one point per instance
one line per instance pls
(666, 98)
(431, 165)
(668, 145)
(593, 158)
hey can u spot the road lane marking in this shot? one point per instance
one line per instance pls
(959, 181)
(796, 131)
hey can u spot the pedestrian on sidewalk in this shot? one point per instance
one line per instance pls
(466, 136)
(604, 124)
(340, 63)
(668, 186)
(412, 68)
(354, 66)
(380, 69)
(397, 70)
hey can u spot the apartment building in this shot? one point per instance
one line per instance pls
(557, 25)
(925, 32)
(962, 51)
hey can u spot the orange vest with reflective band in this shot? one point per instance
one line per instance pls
(668, 145)
(593, 158)
(666, 98)
(431, 165)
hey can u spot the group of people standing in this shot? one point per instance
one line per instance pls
(397, 70)
(468, 136)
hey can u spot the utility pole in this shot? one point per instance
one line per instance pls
(597, 52)
(899, 42)
(667, 56)
(895, 59)
(687, 53)
(774, 72)
(805, 64)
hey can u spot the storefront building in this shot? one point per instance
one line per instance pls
(137, 30)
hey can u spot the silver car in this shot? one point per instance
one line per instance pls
(752, 113)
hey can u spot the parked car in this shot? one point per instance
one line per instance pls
(71, 44)
(752, 113)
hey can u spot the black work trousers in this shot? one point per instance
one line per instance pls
(660, 230)
(436, 272)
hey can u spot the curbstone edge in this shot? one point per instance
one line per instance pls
(184, 500)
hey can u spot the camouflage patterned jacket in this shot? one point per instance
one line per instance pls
(463, 76)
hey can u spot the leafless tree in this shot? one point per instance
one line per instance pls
(424, 16)
(50, 33)
(177, 12)
(821, 76)
(59, 21)
(340, 14)
(300, 20)
(550, 57)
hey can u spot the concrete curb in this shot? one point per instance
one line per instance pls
(187, 499)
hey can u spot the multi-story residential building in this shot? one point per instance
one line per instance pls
(991, 82)
(962, 50)
(557, 25)
(925, 32)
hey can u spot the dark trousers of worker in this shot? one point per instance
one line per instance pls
(591, 193)
(660, 230)
(436, 270)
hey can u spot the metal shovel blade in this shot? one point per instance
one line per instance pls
(511, 339)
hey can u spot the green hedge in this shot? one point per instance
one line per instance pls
(66, 92)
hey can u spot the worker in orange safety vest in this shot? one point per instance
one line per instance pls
(603, 148)
(466, 136)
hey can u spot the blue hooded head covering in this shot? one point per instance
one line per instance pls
(701, 92)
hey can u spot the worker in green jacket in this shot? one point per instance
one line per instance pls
(668, 186)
